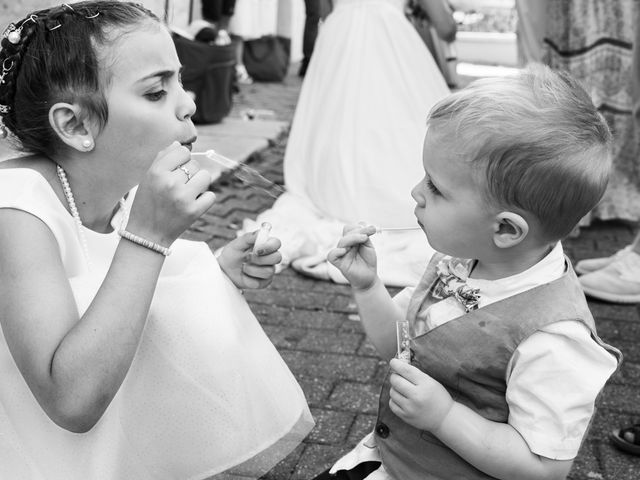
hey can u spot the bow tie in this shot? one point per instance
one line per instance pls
(453, 273)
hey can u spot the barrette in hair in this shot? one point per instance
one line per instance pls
(4, 109)
(5, 70)
(93, 16)
(66, 5)
(13, 33)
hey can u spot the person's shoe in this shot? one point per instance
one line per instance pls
(592, 264)
(618, 282)
(242, 76)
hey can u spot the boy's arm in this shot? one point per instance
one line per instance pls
(493, 447)
(379, 315)
(355, 257)
(496, 448)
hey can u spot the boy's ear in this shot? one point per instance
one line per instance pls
(509, 229)
(68, 123)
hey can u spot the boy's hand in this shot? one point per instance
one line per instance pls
(355, 256)
(417, 398)
(248, 269)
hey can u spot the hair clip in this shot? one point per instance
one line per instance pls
(66, 5)
(14, 33)
(5, 70)
(55, 28)
(4, 132)
(4, 109)
(93, 16)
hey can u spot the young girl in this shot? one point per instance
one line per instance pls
(118, 360)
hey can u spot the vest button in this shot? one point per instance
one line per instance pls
(382, 430)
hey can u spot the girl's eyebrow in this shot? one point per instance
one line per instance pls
(163, 74)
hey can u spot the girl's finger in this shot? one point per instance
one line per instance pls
(406, 370)
(265, 259)
(258, 271)
(271, 245)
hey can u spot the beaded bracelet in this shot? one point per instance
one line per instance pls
(144, 242)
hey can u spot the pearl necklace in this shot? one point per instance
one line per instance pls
(68, 195)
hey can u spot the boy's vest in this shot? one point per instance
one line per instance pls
(469, 356)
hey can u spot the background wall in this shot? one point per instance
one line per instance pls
(290, 15)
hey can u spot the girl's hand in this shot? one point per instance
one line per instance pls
(246, 268)
(417, 398)
(168, 201)
(355, 256)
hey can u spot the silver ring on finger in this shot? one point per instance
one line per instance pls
(186, 172)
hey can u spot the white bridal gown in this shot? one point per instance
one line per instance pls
(355, 147)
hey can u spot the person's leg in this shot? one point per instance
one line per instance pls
(312, 12)
(211, 10)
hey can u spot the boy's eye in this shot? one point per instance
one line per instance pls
(155, 96)
(432, 188)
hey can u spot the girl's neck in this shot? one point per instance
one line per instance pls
(96, 195)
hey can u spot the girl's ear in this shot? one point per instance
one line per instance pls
(68, 123)
(509, 229)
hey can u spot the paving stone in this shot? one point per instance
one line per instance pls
(332, 426)
(309, 300)
(356, 397)
(316, 459)
(621, 397)
(618, 465)
(586, 465)
(610, 311)
(340, 367)
(297, 317)
(284, 470)
(629, 374)
(316, 389)
(332, 342)
(361, 427)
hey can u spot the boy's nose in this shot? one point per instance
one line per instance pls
(415, 193)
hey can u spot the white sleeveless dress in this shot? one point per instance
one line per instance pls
(355, 147)
(207, 391)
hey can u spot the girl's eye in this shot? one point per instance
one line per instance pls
(156, 96)
(432, 188)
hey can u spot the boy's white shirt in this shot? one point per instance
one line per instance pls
(536, 399)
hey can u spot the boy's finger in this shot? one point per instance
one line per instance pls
(336, 253)
(353, 239)
(400, 384)
(406, 370)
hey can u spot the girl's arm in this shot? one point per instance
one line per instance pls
(73, 365)
(441, 17)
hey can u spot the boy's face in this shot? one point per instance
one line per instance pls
(148, 108)
(450, 206)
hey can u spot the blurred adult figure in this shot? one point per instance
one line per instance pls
(314, 11)
(617, 278)
(530, 30)
(593, 40)
(355, 144)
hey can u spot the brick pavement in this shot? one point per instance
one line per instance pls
(311, 323)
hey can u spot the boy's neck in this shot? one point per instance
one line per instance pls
(510, 262)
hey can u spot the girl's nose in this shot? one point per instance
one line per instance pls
(186, 106)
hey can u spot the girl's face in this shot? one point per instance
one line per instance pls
(148, 108)
(450, 206)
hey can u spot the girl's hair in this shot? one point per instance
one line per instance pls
(538, 141)
(50, 56)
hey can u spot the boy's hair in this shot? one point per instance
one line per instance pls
(54, 60)
(539, 141)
